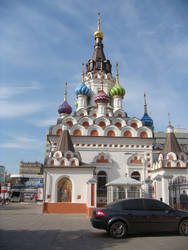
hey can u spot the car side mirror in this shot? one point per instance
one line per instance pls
(169, 211)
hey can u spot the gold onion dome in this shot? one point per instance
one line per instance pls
(117, 90)
(98, 33)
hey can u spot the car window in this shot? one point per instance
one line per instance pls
(136, 204)
(155, 205)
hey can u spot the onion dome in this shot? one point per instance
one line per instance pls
(65, 108)
(98, 33)
(102, 97)
(83, 90)
(146, 119)
(117, 90)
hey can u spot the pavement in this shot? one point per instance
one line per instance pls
(24, 227)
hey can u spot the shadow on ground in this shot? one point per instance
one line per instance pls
(57, 239)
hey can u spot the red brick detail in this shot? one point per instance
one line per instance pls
(178, 165)
(59, 132)
(94, 115)
(168, 164)
(187, 164)
(136, 160)
(85, 124)
(182, 158)
(67, 208)
(81, 114)
(92, 194)
(63, 163)
(102, 124)
(102, 159)
(134, 125)
(111, 133)
(77, 132)
(128, 133)
(73, 163)
(107, 115)
(52, 162)
(94, 133)
(68, 156)
(118, 124)
(143, 134)
(70, 123)
(119, 115)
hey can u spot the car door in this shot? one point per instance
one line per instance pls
(160, 217)
(134, 212)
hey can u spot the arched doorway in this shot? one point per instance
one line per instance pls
(64, 190)
(135, 175)
(101, 189)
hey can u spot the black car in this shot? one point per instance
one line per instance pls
(139, 216)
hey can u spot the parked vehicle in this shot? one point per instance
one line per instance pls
(139, 216)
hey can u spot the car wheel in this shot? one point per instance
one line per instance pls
(118, 230)
(183, 228)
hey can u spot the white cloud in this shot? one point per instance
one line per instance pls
(10, 91)
(11, 109)
(22, 142)
(43, 122)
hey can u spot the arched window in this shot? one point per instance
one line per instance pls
(94, 133)
(171, 157)
(77, 132)
(85, 124)
(128, 133)
(64, 190)
(118, 124)
(135, 175)
(102, 124)
(111, 133)
(134, 125)
(101, 188)
(168, 164)
(70, 123)
(143, 134)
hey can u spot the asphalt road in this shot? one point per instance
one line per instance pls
(24, 227)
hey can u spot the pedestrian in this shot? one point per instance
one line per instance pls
(183, 200)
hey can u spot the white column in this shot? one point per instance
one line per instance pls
(117, 102)
(82, 102)
(165, 191)
(101, 111)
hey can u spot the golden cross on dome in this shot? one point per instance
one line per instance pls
(82, 72)
(65, 95)
(145, 104)
(117, 74)
(169, 122)
(99, 24)
(98, 33)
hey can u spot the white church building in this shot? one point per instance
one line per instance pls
(99, 154)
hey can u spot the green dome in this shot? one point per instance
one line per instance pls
(117, 90)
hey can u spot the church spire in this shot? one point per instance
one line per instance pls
(98, 33)
(145, 104)
(98, 61)
(65, 95)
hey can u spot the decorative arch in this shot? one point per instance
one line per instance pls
(81, 112)
(144, 132)
(102, 158)
(128, 131)
(64, 190)
(78, 130)
(135, 159)
(102, 122)
(134, 123)
(119, 113)
(96, 128)
(171, 156)
(70, 121)
(119, 122)
(94, 133)
(59, 132)
(85, 121)
(111, 131)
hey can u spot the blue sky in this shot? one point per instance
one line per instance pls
(43, 43)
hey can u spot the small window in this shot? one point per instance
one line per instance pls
(135, 204)
(155, 205)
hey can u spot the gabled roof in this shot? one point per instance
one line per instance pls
(65, 143)
(171, 143)
(123, 180)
